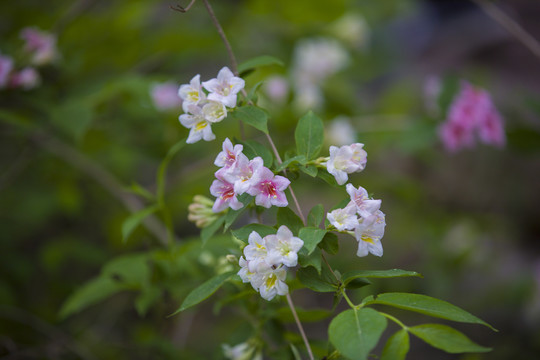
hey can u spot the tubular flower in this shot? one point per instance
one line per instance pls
(283, 247)
(343, 219)
(268, 188)
(191, 93)
(365, 206)
(256, 252)
(226, 197)
(199, 127)
(227, 158)
(214, 111)
(224, 88)
(242, 173)
(369, 234)
(345, 160)
(270, 282)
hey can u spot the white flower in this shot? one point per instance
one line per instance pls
(283, 247)
(214, 111)
(343, 219)
(340, 131)
(191, 93)
(369, 233)
(229, 155)
(351, 28)
(244, 272)
(270, 282)
(365, 206)
(199, 127)
(319, 58)
(255, 252)
(242, 351)
(345, 160)
(224, 88)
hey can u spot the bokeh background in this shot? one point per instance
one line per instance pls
(72, 148)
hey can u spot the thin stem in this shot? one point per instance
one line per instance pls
(300, 328)
(510, 25)
(351, 304)
(183, 9)
(219, 29)
(329, 267)
(405, 327)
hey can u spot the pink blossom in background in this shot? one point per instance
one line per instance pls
(6, 66)
(165, 96)
(40, 45)
(472, 113)
(28, 78)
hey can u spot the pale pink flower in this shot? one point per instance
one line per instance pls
(345, 160)
(343, 219)
(27, 78)
(214, 111)
(224, 88)
(199, 127)
(40, 44)
(491, 129)
(365, 207)
(191, 93)
(268, 188)
(165, 96)
(242, 173)
(456, 135)
(340, 131)
(283, 247)
(226, 197)
(369, 233)
(229, 155)
(6, 66)
(277, 88)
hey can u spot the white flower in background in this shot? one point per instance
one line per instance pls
(343, 219)
(214, 111)
(191, 93)
(224, 88)
(340, 131)
(308, 96)
(227, 158)
(369, 234)
(199, 127)
(352, 29)
(270, 282)
(365, 207)
(283, 247)
(165, 96)
(243, 351)
(319, 58)
(276, 88)
(345, 160)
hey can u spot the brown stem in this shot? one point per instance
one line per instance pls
(300, 328)
(329, 267)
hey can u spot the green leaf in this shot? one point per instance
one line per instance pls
(130, 269)
(314, 259)
(73, 117)
(446, 338)
(328, 178)
(147, 298)
(312, 280)
(232, 215)
(315, 216)
(287, 217)
(208, 231)
(243, 232)
(252, 95)
(310, 170)
(309, 136)
(330, 243)
(131, 223)
(90, 293)
(204, 291)
(160, 178)
(425, 305)
(357, 283)
(252, 116)
(351, 275)
(141, 191)
(253, 149)
(301, 159)
(311, 236)
(264, 60)
(397, 346)
(355, 333)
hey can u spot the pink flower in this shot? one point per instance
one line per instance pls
(165, 96)
(28, 78)
(491, 129)
(365, 207)
(224, 88)
(226, 197)
(229, 155)
(40, 44)
(268, 188)
(242, 173)
(6, 66)
(456, 136)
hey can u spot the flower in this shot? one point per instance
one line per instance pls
(345, 160)
(199, 127)
(242, 173)
(277, 88)
(224, 88)
(244, 272)
(225, 194)
(352, 29)
(365, 206)
(227, 158)
(270, 282)
(491, 129)
(255, 252)
(214, 111)
(242, 351)
(369, 233)
(340, 131)
(343, 219)
(40, 44)
(165, 96)
(6, 66)
(283, 247)
(268, 188)
(191, 93)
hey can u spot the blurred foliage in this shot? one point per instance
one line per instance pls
(71, 149)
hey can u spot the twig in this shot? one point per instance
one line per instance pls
(510, 25)
(300, 328)
(182, 9)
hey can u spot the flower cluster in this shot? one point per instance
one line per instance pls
(265, 261)
(239, 175)
(472, 110)
(345, 160)
(201, 109)
(362, 217)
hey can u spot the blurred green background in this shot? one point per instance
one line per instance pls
(72, 148)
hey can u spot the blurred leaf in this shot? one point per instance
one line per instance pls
(330, 243)
(204, 291)
(313, 259)
(309, 136)
(252, 116)
(147, 298)
(258, 61)
(162, 171)
(310, 278)
(354, 333)
(232, 215)
(130, 269)
(141, 191)
(131, 223)
(243, 232)
(295, 159)
(351, 275)
(328, 178)
(73, 117)
(425, 305)
(446, 338)
(397, 346)
(253, 149)
(310, 170)
(287, 217)
(316, 216)
(208, 231)
(312, 236)
(252, 95)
